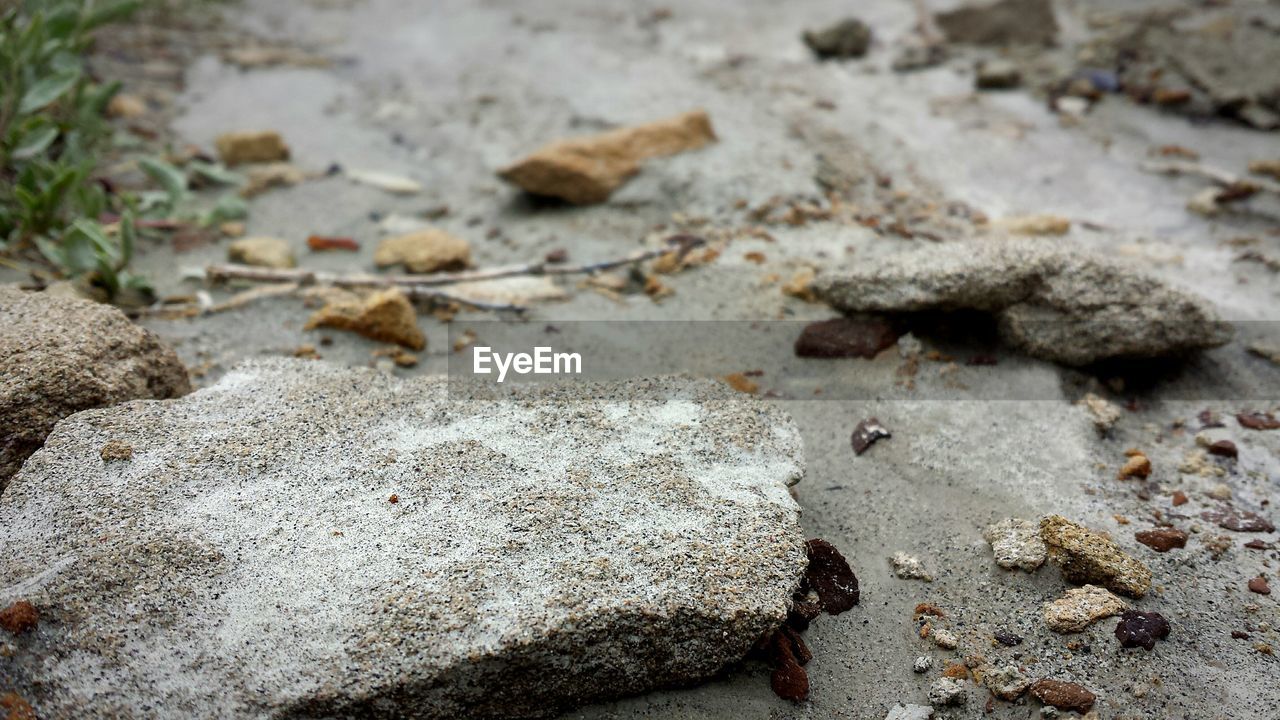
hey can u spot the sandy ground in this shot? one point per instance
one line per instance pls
(446, 92)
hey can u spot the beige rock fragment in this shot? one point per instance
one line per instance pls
(1088, 557)
(273, 175)
(386, 315)
(1034, 225)
(1081, 607)
(261, 251)
(1105, 413)
(424, 251)
(251, 146)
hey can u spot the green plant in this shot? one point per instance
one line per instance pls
(51, 134)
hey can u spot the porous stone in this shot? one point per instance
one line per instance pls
(549, 546)
(1006, 682)
(261, 251)
(386, 316)
(1016, 544)
(1069, 308)
(1087, 557)
(61, 355)
(909, 567)
(587, 170)
(1081, 607)
(251, 146)
(947, 691)
(424, 251)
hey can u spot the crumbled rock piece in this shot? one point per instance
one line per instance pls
(945, 639)
(123, 105)
(61, 355)
(909, 567)
(424, 251)
(1081, 607)
(386, 315)
(909, 712)
(115, 450)
(1258, 420)
(922, 665)
(1265, 167)
(789, 679)
(1007, 22)
(585, 171)
(262, 252)
(16, 707)
(1162, 539)
(830, 576)
(262, 178)
(1005, 682)
(848, 38)
(1238, 520)
(1141, 629)
(866, 433)
(919, 56)
(237, 148)
(947, 691)
(20, 617)
(1259, 585)
(801, 285)
(1089, 557)
(1137, 466)
(1196, 462)
(743, 384)
(1016, 543)
(1224, 448)
(1067, 307)
(1002, 75)
(1104, 412)
(845, 337)
(1063, 695)
(321, 447)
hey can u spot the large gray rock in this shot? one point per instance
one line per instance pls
(60, 355)
(1070, 308)
(547, 549)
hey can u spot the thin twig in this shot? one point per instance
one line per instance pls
(1215, 175)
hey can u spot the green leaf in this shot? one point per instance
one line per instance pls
(47, 90)
(51, 251)
(172, 180)
(35, 143)
(110, 12)
(128, 236)
(228, 207)
(216, 173)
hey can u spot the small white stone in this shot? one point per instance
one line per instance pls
(922, 664)
(946, 691)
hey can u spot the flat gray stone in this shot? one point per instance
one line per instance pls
(547, 549)
(60, 355)
(1070, 308)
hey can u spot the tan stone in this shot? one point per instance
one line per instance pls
(1085, 556)
(251, 146)
(587, 170)
(126, 106)
(272, 175)
(387, 316)
(1081, 607)
(424, 251)
(1035, 225)
(261, 251)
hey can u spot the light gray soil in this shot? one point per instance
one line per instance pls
(446, 92)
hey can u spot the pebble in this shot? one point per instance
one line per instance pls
(922, 665)
(261, 252)
(1063, 695)
(1008, 639)
(424, 251)
(1137, 466)
(1081, 607)
(1238, 520)
(1016, 543)
(866, 433)
(1141, 629)
(910, 712)
(1162, 539)
(251, 146)
(1258, 421)
(1085, 556)
(845, 337)
(848, 38)
(20, 617)
(909, 567)
(1260, 586)
(947, 691)
(1105, 413)
(1006, 682)
(944, 639)
(997, 75)
(830, 576)
(386, 315)
(1224, 448)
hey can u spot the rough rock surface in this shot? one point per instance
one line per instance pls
(386, 315)
(1081, 607)
(1066, 307)
(1089, 557)
(61, 355)
(1016, 543)
(1006, 682)
(587, 170)
(261, 251)
(424, 251)
(547, 547)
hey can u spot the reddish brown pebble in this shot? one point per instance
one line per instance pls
(557, 256)
(393, 499)
(928, 609)
(1258, 421)
(803, 612)
(16, 708)
(1238, 520)
(844, 338)
(20, 617)
(1141, 629)
(1179, 498)
(1260, 586)
(1162, 539)
(321, 243)
(831, 577)
(1209, 419)
(1063, 695)
(1257, 545)
(866, 433)
(1224, 448)
(1239, 635)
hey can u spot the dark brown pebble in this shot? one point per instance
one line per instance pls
(1210, 419)
(1260, 586)
(1063, 695)
(1257, 545)
(1162, 539)
(20, 617)
(1239, 635)
(556, 256)
(802, 613)
(845, 337)
(1238, 520)
(1224, 448)
(831, 577)
(1008, 639)
(867, 433)
(1258, 421)
(1141, 629)
(789, 680)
